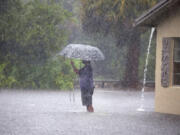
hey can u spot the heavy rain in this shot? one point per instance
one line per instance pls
(77, 67)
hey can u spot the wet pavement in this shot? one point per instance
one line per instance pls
(29, 112)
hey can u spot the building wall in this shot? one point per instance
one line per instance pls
(167, 100)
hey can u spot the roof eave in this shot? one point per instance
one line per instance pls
(148, 19)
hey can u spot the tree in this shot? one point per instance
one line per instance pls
(117, 17)
(32, 33)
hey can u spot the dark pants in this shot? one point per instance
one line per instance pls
(86, 96)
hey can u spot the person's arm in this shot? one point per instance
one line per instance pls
(74, 68)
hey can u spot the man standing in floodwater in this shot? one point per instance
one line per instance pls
(86, 84)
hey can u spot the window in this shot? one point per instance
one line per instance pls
(176, 62)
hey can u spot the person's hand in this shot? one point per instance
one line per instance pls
(74, 68)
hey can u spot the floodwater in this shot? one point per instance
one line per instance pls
(30, 112)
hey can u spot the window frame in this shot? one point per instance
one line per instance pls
(173, 61)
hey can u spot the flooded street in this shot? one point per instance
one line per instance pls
(28, 112)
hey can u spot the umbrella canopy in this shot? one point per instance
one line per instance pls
(82, 52)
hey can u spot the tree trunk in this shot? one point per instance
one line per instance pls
(132, 61)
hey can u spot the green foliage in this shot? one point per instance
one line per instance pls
(31, 35)
(66, 77)
(5, 81)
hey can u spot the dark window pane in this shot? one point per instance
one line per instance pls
(177, 55)
(177, 79)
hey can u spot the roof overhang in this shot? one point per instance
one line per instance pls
(153, 16)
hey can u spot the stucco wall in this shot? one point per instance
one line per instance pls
(167, 100)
